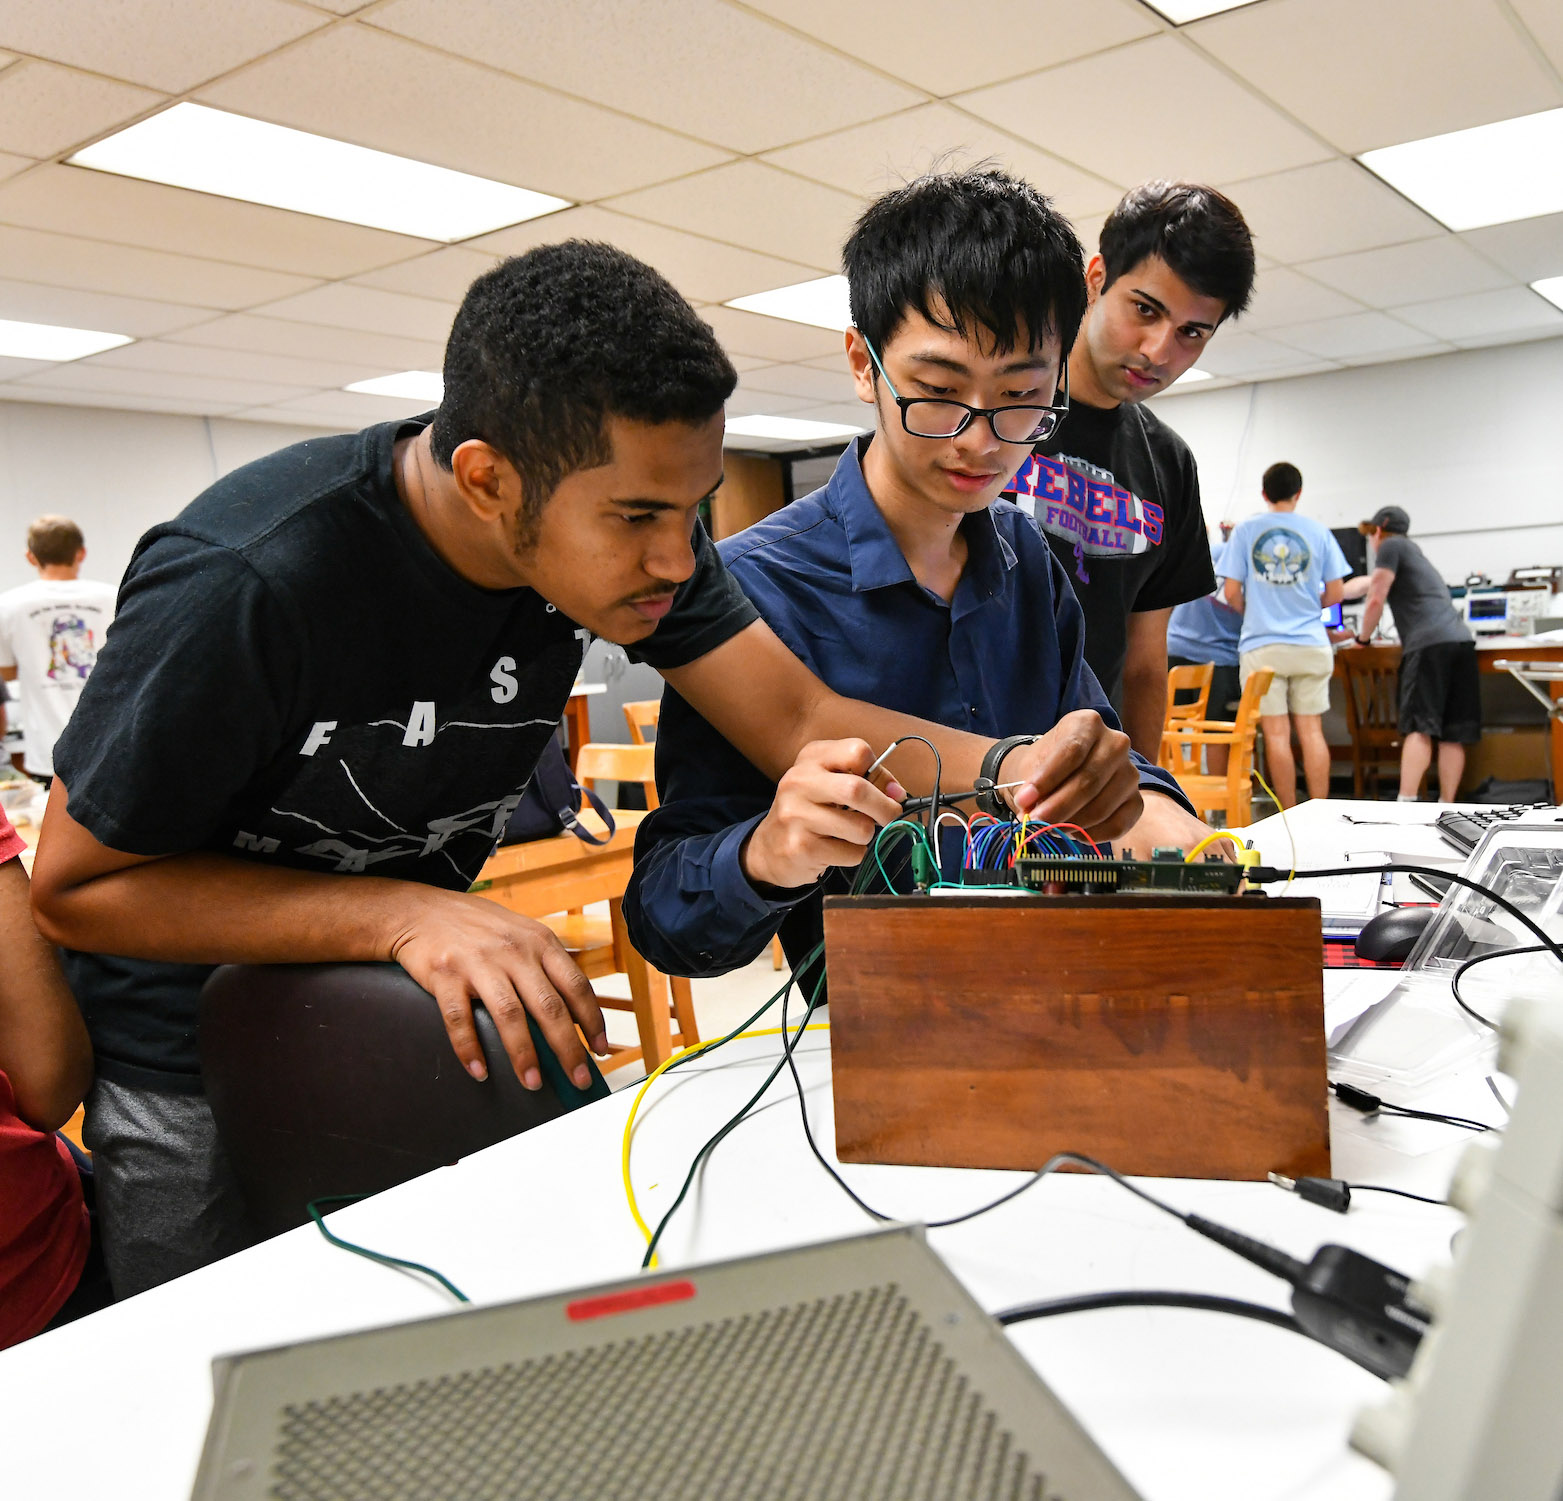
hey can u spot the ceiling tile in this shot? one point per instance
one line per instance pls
(312, 342)
(350, 408)
(165, 44)
(805, 381)
(378, 90)
(1482, 313)
(700, 66)
(122, 401)
(856, 414)
(1217, 131)
(1330, 208)
(233, 364)
(368, 310)
(883, 154)
(94, 265)
(219, 395)
(1282, 296)
(11, 165)
(1528, 249)
(749, 203)
(102, 206)
(744, 403)
(933, 47)
(138, 317)
(773, 339)
(1356, 334)
(703, 270)
(291, 418)
(1395, 356)
(443, 274)
(1237, 354)
(45, 109)
(1544, 20)
(1417, 272)
(10, 369)
(1514, 336)
(1375, 75)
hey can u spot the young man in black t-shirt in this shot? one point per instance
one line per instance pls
(1116, 492)
(331, 675)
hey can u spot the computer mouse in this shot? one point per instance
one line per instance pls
(1390, 937)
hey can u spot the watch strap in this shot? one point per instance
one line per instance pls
(988, 800)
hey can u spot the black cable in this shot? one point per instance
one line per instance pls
(1265, 875)
(933, 806)
(1205, 1302)
(1400, 1193)
(1372, 1104)
(1473, 961)
(399, 1262)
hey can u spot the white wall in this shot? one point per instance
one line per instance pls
(115, 473)
(1471, 444)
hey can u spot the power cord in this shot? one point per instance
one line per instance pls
(1473, 961)
(399, 1262)
(1205, 1302)
(1371, 1104)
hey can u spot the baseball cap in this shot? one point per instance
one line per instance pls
(1389, 518)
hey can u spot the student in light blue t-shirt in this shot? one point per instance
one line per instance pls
(1281, 570)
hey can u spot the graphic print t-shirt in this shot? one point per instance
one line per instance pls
(297, 678)
(1283, 561)
(1116, 494)
(51, 631)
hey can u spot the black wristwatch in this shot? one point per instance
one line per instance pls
(1361, 642)
(987, 799)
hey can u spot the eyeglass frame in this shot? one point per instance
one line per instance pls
(1061, 411)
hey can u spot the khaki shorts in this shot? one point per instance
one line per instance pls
(1302, 677)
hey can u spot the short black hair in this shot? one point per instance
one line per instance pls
(988, 247)
(1281, 481)
(1200, 233)
(548, 345)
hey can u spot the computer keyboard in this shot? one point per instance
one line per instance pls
(1464, 830)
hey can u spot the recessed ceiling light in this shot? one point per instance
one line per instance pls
(232, 156)
(1489, 174)
(1181, 12)
(788, 429)
(413, 385)
(1191, 376)
(822, 303)
(47, 341)
(1551, 288)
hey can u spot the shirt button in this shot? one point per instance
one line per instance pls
(548, 609)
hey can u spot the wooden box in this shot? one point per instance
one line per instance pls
(1170, 1036)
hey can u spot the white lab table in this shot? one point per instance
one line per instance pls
(1189, 1405)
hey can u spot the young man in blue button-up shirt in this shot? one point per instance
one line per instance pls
(905, 581)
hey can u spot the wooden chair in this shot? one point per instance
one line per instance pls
(1231, 794)
(618, 763)
(642, 715)
(1371, 680)
(1194, 679)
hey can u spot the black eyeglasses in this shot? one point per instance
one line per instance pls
(935, 417)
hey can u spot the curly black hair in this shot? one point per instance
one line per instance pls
(1200, 233)
(548, 345)
(989, 247)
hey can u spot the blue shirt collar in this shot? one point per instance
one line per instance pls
(875, 556)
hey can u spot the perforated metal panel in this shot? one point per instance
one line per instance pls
(863, 1391)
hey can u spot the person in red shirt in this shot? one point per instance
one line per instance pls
(49, 1267)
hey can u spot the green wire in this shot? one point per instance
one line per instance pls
(380, 1256)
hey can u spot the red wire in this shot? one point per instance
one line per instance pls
(1096, 849)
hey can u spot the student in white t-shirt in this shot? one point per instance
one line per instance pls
(50, 635)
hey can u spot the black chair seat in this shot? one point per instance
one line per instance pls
(339, 1079)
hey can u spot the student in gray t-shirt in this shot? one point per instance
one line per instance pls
(1440, 694)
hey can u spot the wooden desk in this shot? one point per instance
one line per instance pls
(1489, 651)
(547, 876)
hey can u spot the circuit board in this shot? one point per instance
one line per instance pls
(1088, 876)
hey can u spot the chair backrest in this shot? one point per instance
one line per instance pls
(599, 761)
(339, 1079)
(1372, 698)
(1193, 678)
(641, 714)
(1240, 763)
(1232, 793)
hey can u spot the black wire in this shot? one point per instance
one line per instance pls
(1378, 1188)
(1205, 1302)
(1550, 944)
(933, 806)
(1473, 961)
(1388, 1107)
(399, 1262)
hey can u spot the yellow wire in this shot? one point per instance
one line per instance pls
(1284, 824)
(640, 1094)
(1210, 839)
